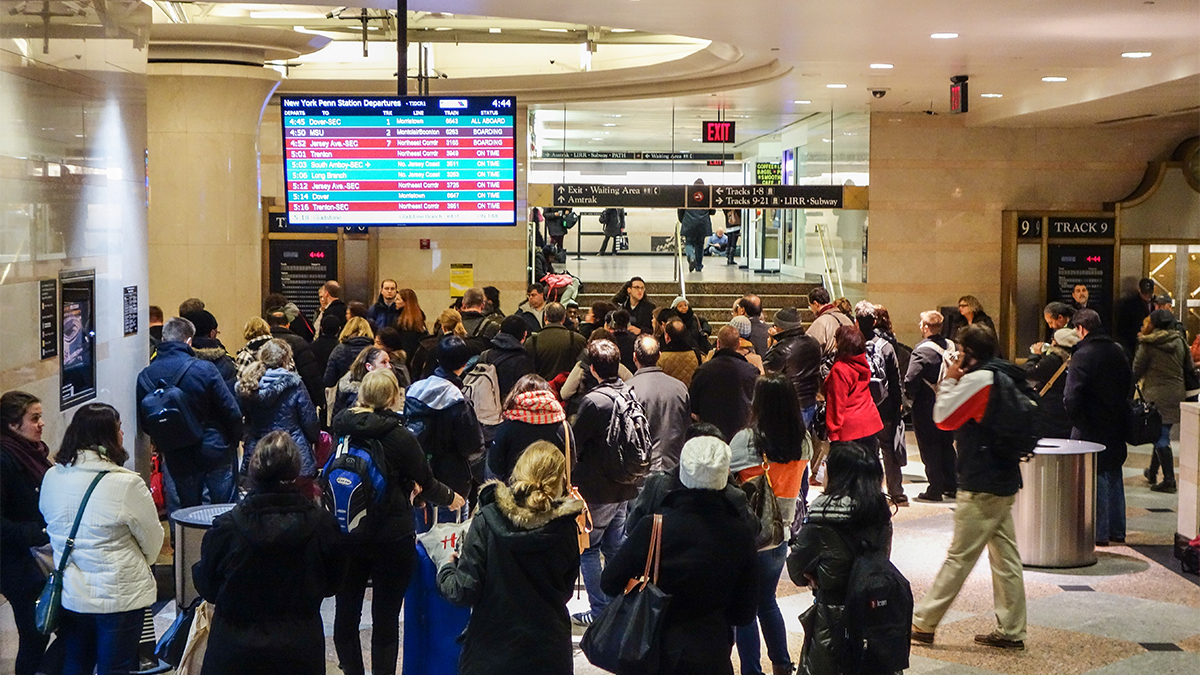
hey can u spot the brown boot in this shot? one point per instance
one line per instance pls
(782, 668)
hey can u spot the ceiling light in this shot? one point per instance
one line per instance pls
(1053, 78)
(801, 102)
(610, 124)
(493, 30)
(882, 66)
(607, 115)
(991, 96)
(597, 139)
(622, 30)
(826, 140)
(1136, 55)
(835, 86)
(285, 14)
(554, 30)
(442, 28)
(696, 140)
(944, 36)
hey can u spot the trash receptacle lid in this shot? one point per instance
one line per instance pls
(1066, 446)
(200, 516)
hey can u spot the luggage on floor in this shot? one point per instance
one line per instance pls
(431, 625)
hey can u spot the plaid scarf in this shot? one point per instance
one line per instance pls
(536, 407)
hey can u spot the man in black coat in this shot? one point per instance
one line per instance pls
(796, 355)
(750, 306)
(303, 358)
(508, 354)
(1096, 400)
(480, 327)
(330, 297)
(209, 462)
(386, 310)
(606, 498)
(722, 388)
(1131, 312)
(641, 311)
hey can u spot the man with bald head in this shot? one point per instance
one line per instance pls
(722, 388)
(666, 401)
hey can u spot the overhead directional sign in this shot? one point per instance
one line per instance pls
(699, 196)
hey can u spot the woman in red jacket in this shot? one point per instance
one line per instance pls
(850, 412)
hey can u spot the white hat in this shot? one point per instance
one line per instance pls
(1066, 337)
(704, 464)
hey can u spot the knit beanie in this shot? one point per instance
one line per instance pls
(742, 324)
(704, 464)
(678, 299)
(1066, 338)
(787, 319)
(203, 320)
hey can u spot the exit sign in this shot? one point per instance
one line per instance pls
(717, 132)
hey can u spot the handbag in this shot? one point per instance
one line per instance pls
(1191, 379)
(1054, 378)
(621, 242)
(49, 604)
(583, 521)
(818, 428)
(626, 636)
(173, 643)
(192, 660)
(1145, 422)
(760, 496)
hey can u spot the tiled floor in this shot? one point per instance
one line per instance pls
(1128, 614)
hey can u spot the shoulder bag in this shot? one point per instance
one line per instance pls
(1054, 378)
(583, 521)
(625, 637)
(1145, 422)
(49, 603)
(760, 495)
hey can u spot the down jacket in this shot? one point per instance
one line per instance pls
(266, 565)
(822, 551)
(517, 570)
(280, 403)
(1158, 365)
(445, 424)
(118, 539)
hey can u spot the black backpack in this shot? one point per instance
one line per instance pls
(170, 422)
(628, 438)
(1014, 417)
(878, 615)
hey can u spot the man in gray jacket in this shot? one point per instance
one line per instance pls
(665, 399)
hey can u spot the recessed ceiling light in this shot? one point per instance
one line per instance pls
(442, 28)
(882, 66)
(944, 36)
(696, 140)
(78, 135)
(622, 30)
(835, 86)
(597, 139)
(610, 124)
(553, 30)
(1053, 78)
(1136, 55)
(991, 96)
(607, 115)
(801, 102)
(826, 140)
(493, 30)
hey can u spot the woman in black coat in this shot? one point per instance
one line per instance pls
(709, 564)
(852, 508)
(24, 460)
(517, 571)
(1049, 368)
(531, 413)
(265, 566)
(387, 553)
(355, 337)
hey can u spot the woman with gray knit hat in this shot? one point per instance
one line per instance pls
(709, 564)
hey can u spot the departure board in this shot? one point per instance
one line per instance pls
(395, 161)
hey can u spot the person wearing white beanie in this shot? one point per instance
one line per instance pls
(704, 464)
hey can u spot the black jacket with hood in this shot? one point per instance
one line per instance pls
(517, 570)
(342, 357)
(444, 421)
(511, 360)
(404, 463)
(1099, 382)
(266, 566)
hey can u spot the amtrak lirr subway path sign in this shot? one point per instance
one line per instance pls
(576, 195)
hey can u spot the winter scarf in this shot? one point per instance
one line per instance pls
(536, 407)
(34, 458)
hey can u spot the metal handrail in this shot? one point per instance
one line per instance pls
(679, 261)
(831, 274)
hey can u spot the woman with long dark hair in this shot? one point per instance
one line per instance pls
(265, 566)
(851, 518)
(107, 585)
(850, 412)
(24, 461)
(776, 441)
(411, 324)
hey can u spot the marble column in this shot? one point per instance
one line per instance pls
(206, 92)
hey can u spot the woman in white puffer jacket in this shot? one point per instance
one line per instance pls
(107, 585)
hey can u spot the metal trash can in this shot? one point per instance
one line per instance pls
(1055, 511)
(189, 525)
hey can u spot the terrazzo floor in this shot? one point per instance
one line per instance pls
(1133, 612)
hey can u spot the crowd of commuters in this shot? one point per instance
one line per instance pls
(489, 414)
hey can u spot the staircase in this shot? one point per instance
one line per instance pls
(711, 300)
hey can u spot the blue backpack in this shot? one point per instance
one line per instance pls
(353, 483)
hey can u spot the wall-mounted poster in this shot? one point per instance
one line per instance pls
(77, 357)
(48, 316)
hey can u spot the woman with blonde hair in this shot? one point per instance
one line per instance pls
(424, 361)
(386, 553)
(517, 571)
(255, 333)
(273, 398)
(356, 336)
(970, 311)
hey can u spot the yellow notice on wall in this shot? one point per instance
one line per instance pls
(462, 277)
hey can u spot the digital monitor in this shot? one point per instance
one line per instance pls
(399, 160)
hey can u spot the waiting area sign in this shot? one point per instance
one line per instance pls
(577, 195)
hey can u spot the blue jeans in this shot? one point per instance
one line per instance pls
(1110, 505)
(608, 533)
(189, 490)
(1162, 456)
(770, 565)
(107, 643)
(809, 413)
(693, 248)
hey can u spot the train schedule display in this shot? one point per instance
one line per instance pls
(397, 161)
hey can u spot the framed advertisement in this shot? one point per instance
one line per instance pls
(77, 328)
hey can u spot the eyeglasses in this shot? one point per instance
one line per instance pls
(963, 306)
(637, 288)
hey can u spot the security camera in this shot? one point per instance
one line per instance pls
(878, 92)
